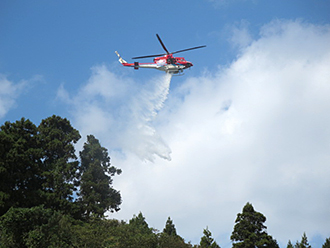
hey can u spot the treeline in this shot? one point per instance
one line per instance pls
(51, 198)
(38, 166)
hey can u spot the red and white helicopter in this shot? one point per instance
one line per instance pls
(163, 62)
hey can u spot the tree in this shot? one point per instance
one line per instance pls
(169, 241)
(169, 227)
(96, 194)
(96, 233)
(136, 234)
(38, 165)
(303, 243)
(60, 165)
(139, 222)
(326, 243)
(35, 227)
(207, 240)
(250, 231)
(289, 245)
(169, 237)
(20, 165)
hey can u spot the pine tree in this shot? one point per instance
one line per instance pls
(207, 241)
(250, 231)
(303, 243)
(20, 165)
(326, 243)
(169, 227)
(60, 166)
(136, 234)
(169, 237)
(139, 222)
(289, 245)
(35, 227)
(38, 164)
(96, 194)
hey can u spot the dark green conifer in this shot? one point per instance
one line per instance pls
(289, 245)
(207, 241)
(60, 165)
(96, 194)
(20, 165)
(170, 227)
(250, 231)
(326, 243)
(303, 243)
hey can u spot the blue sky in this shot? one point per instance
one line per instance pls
(249, 122)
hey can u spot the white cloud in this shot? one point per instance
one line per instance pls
(256, 131)
(116, 109)
(241, 37)
(9, 92)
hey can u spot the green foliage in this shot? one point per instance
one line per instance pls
(169, 237)
(326, 243)
(38, 166)
(40, 175)
(169, 241)
(136, 234)
(96, 233)
(169, 228)
(139, 223)
(96, 194)
(289, 245)
(20, 165)
(60, 165)
(43, 227)
(35, 227)
(250, 231)
(303, 243)
(207, 241)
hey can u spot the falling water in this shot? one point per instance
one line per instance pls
(144, 109)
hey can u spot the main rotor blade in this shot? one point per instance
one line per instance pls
(188, 49)
(149, 56)
(161, 42)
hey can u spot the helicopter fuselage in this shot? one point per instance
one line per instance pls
(164, 61)
(167, 63)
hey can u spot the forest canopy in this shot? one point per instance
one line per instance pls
(50, 197)
(39, 166)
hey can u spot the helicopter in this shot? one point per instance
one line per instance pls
(164, 62)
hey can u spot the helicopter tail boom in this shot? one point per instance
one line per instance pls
(121, 60)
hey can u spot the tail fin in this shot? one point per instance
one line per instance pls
(121, 60)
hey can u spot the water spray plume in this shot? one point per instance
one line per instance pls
(144, 111)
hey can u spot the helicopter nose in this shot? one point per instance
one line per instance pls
(189, 64)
